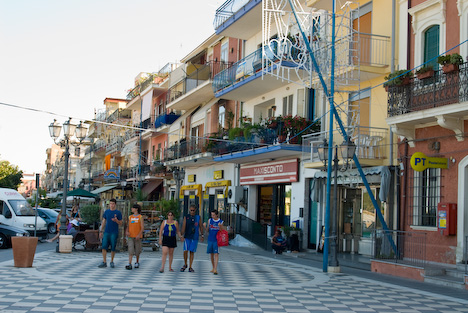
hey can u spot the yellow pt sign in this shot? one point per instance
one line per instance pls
(419, 162)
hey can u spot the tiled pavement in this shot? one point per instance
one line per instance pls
(247, 282)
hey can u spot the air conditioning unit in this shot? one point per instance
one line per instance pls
(235, 194)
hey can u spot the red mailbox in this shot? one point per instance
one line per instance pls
(447, 218)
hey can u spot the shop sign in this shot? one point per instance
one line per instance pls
(191, 178)
(218, 174)
(419, 162)
(112, 173)
(269, 173)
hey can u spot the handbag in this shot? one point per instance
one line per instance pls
(222, 237)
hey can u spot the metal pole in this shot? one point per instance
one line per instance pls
(334, 222)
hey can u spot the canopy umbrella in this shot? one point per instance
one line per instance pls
(81, 193)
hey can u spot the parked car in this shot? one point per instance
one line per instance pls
(50, 216)
(6, 232)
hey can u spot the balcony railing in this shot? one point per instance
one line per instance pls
(242, 68)
(118, 114)
(440, 90)
(114, 145)
(165, 119)
(410, 247)
(374, 49)
(184, 149)
(370, 143)
(202, 74)
(226, 10)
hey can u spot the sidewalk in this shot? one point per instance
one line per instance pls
(250, 280)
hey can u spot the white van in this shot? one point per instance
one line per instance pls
(16, 211)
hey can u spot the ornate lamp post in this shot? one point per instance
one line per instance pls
(348, 148)
(68, 131)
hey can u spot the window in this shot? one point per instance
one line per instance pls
(224, 52)
(431, 45)
(425, 197)
(287, 105)
(221, 116)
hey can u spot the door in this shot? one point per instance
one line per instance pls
(362, 25)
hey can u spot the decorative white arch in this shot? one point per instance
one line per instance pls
(426, 14)
(462, 208)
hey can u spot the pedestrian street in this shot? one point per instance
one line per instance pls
(247, 282)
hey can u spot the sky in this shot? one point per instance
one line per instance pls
(62, 58)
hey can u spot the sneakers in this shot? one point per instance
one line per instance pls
(129, 266)
(137, 265)
(103, 264)
(112, 264)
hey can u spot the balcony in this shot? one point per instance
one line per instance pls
(238, 18)
(236, 82)
(114, 146)
(371, 143)
(165, 119)
(187, 152)
(195, 87)
(433, 100)
(119, 115)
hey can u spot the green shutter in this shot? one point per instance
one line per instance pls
(431, 45)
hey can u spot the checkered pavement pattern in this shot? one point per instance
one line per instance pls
(246, 283)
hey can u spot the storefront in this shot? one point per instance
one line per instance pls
(190, 195)
(215, 198)
(270, 184)
(357, 217)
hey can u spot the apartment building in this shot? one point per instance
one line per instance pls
(429, 115)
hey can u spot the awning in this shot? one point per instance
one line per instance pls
(377, 174)
(151, 186)
(375, 170)
(103, 189)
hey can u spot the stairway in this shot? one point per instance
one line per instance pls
(448, 277)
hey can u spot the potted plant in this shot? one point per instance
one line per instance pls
(398, 78)
(427, 71)
(450, 62)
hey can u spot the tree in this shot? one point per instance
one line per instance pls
(10, 175)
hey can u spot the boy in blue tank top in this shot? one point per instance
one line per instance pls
(215, 224)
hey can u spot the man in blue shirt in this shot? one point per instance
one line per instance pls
(191, 231)
(111, 219)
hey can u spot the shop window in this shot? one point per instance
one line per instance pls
(425, 196)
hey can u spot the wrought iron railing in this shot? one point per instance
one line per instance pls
(410, 247)
(439, 90)
(184, 149)
(118, 114)
(253, 231)
(226, 10)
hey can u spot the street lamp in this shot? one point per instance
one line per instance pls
(68, 131)
(123, 183)
(348, 148)
(178, 174)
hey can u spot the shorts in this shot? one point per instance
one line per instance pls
(134, 246)
(109, 239)
(212, 247)
(169, 241)
(190, 245)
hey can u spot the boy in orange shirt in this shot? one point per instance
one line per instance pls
(134, 233)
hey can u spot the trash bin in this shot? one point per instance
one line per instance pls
(24, 249)
(65, 243)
